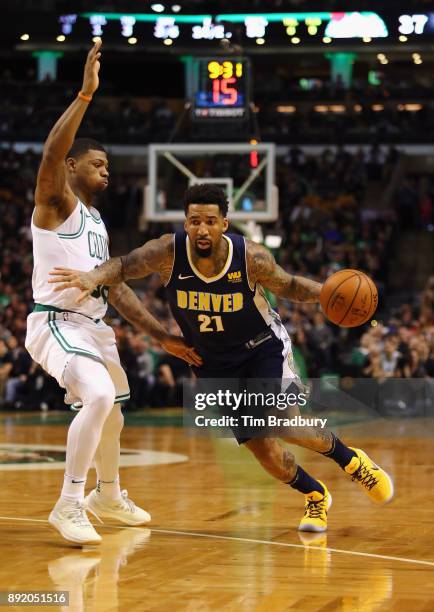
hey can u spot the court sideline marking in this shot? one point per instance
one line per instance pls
(253, 541)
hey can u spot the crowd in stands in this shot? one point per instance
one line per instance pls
(388, 124)
(323, 228)
(326, 113)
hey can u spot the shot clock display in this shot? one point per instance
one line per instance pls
(221, 88)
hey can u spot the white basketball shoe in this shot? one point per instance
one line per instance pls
(123, 510)
(71, 521)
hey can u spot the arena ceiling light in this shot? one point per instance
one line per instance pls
(158, 8)
(367, 39)
(412, 108)
(273, 241)
(403, 38)
(176, 8)
(295, 40)
(327, 40)
(286, 110)
(260, 41)
(382, 58)
(168, 42)
(132, 40)
(24, 37)
(337, 108)
(61, 38)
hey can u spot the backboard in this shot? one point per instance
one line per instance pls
(245, 171)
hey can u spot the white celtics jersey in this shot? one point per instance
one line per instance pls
(80, 243)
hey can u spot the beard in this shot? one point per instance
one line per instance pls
(203, 252)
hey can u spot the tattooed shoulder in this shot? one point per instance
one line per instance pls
(260, 262)
(153, 256)
(166, 257)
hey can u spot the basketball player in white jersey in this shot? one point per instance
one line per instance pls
(71, 342)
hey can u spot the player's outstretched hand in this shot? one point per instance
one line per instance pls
(175, 345)
(91, 69)
(69, 279)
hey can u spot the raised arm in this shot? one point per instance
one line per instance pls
(54, 198)
(262, 268)
(154, 256)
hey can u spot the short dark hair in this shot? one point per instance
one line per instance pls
(81, 146)
(206, 193)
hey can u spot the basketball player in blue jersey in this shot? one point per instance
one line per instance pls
(71, 342)
(215, 284)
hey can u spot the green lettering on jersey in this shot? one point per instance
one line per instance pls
(102, 291)
(98, 246)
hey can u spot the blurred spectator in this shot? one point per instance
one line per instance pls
(389, 356)
(6, 366)
(16, 385)
(171, 374)
(321, 339)
(141, 372)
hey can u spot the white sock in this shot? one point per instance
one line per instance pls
(89, 380)
(108, 454)
(73, 489)
(109, 490)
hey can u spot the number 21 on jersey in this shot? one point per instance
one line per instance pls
(210, 324)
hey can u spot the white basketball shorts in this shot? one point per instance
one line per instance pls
(53, 338)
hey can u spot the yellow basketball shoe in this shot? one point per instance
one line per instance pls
(315, 510)
(376, 483)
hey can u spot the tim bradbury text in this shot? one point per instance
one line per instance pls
(270, 420)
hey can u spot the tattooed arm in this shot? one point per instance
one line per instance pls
(262, 268)
(131, 308)
(153, 256)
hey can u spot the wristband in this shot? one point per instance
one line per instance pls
(83, 97)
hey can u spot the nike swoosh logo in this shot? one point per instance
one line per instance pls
(181, 277)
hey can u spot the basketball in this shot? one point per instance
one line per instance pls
(349, 298)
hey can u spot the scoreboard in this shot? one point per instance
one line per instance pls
(221, 88)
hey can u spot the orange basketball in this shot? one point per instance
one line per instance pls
(349, 298)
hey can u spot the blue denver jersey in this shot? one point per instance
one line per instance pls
(223, 317)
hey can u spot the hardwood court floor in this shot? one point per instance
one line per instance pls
(224, 535)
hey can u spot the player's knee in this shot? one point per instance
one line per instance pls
(104, 398)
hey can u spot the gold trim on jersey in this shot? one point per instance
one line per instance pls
(211, 279)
